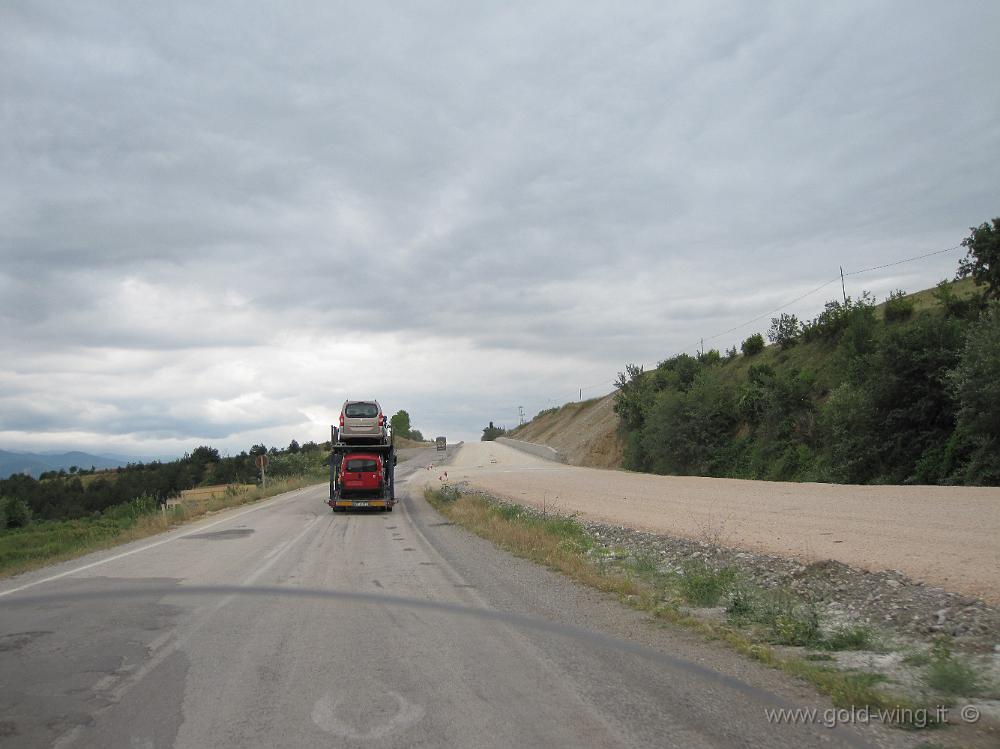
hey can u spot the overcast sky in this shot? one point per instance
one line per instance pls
(218, 222)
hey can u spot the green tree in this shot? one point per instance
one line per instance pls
(204, 454)
(417, 435)
(712, 356)
(16, 512)
(753, 345)
(685, 428)
(848, 424)
(983, 259)
(400, 422)
(491, 432)
(293, 446)
(629, 396)
(898, 306)
(975, 384)
(913, 410)
(784, 330)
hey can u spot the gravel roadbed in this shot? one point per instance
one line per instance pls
(889, 602)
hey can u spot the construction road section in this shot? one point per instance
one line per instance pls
(437, 639)
(945, 536)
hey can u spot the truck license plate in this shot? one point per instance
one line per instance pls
(360, 504)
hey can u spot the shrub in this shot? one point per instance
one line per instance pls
(954, 305)
(15, 512)
(753, 345)
(711, 356)
(784, 330)
(837, 317)
(731, 353)
(898, 306)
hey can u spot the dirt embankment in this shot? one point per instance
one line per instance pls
(942, 535)
(587, 433)
(403, 442)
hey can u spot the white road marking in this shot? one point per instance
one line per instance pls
(153, 545)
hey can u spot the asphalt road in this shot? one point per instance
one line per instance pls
(111, 651)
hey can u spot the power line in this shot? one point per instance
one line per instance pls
(824, 285)
(832, 280)
(907, 260)
(776, 309)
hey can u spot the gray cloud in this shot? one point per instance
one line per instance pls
(465, 208)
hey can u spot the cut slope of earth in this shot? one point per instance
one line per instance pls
(586, 432)
(941, 535)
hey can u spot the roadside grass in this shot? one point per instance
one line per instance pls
(703, 586)
(42, 543)
(756, 620)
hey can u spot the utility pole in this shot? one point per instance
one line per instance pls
(262, 464)
(843, 288)
(581, 394)
(702, 346)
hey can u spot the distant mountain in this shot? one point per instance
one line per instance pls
(37, 463)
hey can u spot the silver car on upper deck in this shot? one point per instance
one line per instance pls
(363, 422)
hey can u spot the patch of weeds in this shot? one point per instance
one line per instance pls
(819, 657)
(573, 536)
(797, 625)
(645, 564)
(917, 658)
(703, 586)
(508, 512)
(950, 674)
(444, 494)
(787, 621)
(856, 688)
(848, 638)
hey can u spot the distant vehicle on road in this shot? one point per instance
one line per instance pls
(363, 422)
(442, 443)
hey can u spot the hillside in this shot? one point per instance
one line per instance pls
(586, 432)
(35, 464)
(405, 443)
(863, 393)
